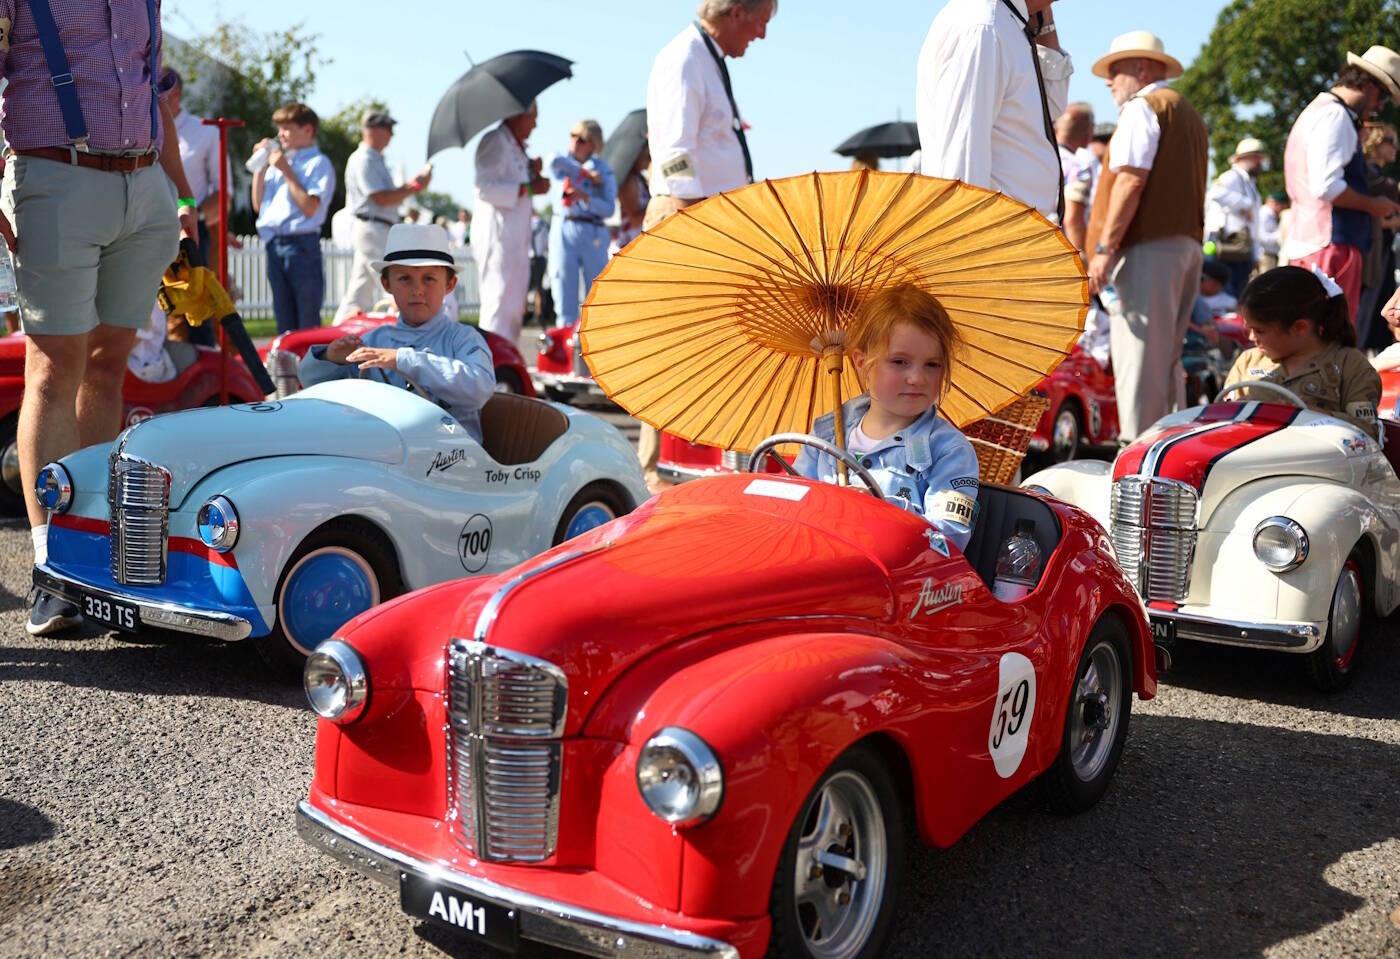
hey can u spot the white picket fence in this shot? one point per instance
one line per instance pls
(248, 269)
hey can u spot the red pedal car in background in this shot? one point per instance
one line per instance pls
(560, 369)
(1083, 409)
(196, 384)
(283, 355)
(717, 723)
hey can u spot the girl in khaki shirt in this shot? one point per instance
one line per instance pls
(1304, 341)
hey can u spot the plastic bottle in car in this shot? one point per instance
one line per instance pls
(1018, 562)
(9, 298)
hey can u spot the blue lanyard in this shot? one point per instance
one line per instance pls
(62, 78)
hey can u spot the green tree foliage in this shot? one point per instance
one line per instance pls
(439, 204)
(1266, 60)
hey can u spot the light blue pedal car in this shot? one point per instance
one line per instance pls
(281, 520)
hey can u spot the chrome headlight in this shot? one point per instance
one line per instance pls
(337, 685)
(1280, 544)
(53, 488)
(679, 777)
(218, 524)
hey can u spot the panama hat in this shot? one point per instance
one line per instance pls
(1137, 43)
(1247, 146)
(1382, 63)
(416, 244)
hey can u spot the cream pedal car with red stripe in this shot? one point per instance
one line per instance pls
(1252, 524)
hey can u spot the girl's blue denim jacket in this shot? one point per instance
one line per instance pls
(928, 468)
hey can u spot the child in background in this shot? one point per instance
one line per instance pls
(1304, 341)
(447, 359)
(903, 345)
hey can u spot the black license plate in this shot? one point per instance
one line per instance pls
(485, 921)
(109, 612)
(1163, 630)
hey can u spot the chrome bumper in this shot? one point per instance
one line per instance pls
(1288, 637)
(567, 383)
(684, 474)
(541, 920)
(182, 619)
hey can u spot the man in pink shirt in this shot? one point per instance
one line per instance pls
(1325, 172)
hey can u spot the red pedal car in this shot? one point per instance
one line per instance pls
(1083, 409)
(716, 723)
(560, 368)
(197, 384)
(283, 355)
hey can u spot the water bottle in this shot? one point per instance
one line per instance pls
(1018, 562)
(259, 159)
(9, 297)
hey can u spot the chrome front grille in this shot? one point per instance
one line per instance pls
(580, 364)
(1154, 525)
(283, 367)
(506, 719)
(734, 460)
(138, 497)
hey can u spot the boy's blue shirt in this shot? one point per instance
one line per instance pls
(448, 359)
(928, 468)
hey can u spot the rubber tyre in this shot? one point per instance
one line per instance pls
(586, 510)
(508, 381)
(1073, 790)
(864, 924)
(1329, 670)
(11, 484)
(1062, 451)
(346, 543)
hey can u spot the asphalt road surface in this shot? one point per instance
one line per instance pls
(147, 788)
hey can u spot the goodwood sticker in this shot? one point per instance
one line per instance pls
(474, 543)
(1012, 712)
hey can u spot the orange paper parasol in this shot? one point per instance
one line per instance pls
(714, 324)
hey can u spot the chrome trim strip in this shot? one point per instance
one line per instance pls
(570, 382)
(684, 474)
(541, 920)
(1291, 637)
(182, 619)
(487, 618)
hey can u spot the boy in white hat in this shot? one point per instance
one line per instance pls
(449, 360)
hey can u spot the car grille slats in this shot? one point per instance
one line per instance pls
(506, 724)
(138, 497)
(1154, 528)
(734, 460)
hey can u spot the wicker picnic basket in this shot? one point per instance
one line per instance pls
(1001, 441)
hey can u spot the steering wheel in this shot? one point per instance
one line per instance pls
(1265, 385)
(769, 448)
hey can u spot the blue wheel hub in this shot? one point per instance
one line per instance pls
(591, 516)
(324, 590)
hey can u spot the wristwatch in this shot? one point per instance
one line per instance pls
(1099, 248)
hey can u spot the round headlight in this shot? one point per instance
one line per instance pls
(53, 488)
(337, 685)
(218, 524)
(680, 777)
(1280, 544)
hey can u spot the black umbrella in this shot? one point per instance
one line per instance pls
(625, 145)
(492, 90)
(887, 140)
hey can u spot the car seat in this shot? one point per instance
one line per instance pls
(518, 429)
(998, 510)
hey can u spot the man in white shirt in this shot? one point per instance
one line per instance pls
(1271, 229)
(984, 113)
(1232, 205)
(1325, 172)
(1073, 129)
(199, 152)
(695, 132)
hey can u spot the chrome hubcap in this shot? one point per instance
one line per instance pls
(1346, 615)
(1066, 434)
(841, 863)
(1094, 714)
(9, 468)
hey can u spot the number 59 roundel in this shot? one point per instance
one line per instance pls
(1011, 714)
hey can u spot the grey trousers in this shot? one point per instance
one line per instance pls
(1157, 283)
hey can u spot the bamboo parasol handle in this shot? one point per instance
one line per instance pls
(834, 359)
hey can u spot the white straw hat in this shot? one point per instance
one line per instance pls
(1247, 146)
(1382, 63)
(1137, 43)
(417, 244)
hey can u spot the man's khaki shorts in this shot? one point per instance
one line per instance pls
(90, 245)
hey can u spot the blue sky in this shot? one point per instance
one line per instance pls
(826, 69)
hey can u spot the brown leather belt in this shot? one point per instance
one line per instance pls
(93, 161)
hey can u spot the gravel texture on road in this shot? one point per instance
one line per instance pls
(147, 788)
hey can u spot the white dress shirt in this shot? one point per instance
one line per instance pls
(978, 103)
(199, 152)
(1320, 145)
(1138, 134)
(695, 150)
(1232, 203)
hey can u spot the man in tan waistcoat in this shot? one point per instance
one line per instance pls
(1146, 227)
